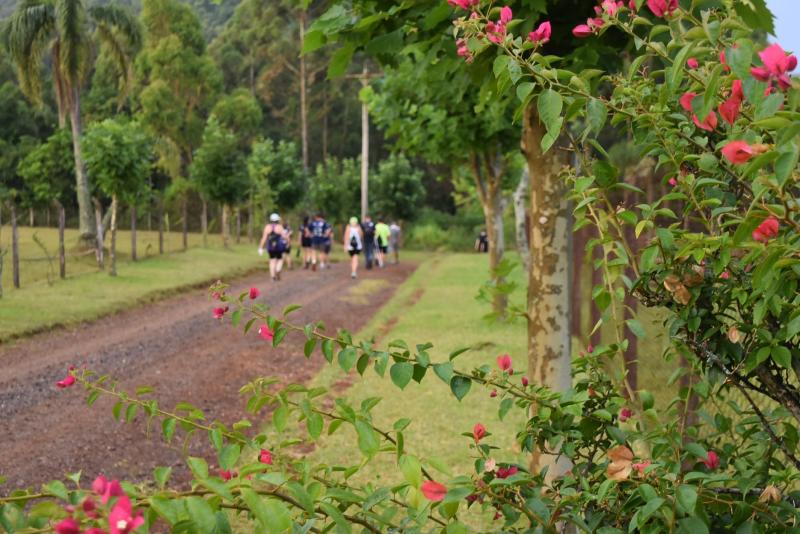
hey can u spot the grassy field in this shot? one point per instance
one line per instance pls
(87, 293)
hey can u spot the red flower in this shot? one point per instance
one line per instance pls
(478, 432)
(641, 466)
(121, 520)
(590, 348)
(220, 312)
(525, 381)
(265, 457)
(265, 333)
(729, 110)
(226, 475)
(737, 152)
(68, 526)
(493, 394)
(505, 472)
(632, 5)
(708, 124)
(767, 229)
(661, 8)
(625, 414)
(506, 15)
(611, 6)
(711, 460)
(776, 66)
(216, 295)
(672, 181)
(686, 100)
(692, 63)
(66, 382)
(107, 489)
(725, 275)
(736, 90)
(433, 491)
(541, 34)
(504, 362)
(254, 293)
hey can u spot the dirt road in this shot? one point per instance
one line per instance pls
(177, 348)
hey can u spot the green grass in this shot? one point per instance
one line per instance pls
(435, 304)
(87, 293)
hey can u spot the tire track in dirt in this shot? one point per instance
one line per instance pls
(173, 346)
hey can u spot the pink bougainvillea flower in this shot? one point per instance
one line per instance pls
(711, 460)
(505, 472)
(496, 31)
(541, 34)
(767, 229)
(729, 110)
(216, 295)
(506, 15)
(121, 520)
(725, 275)
(641, 466)
(672, 181)
(708, 124)
(661, 8)
(254, 293)
(265, 333)
(776, 67)
(692, 63)
(462, 49)
(68, 526)
(582, 30)
(611, 6)
(525, 381)
(107, 488)
(504, 362)
(737, 152)
(433, 491)
(736, 90)
(478, 432)
(625, 414)
(219, 312)
(686, 100)
(265, 457)
(464, 4)
(595, 23)
(493, 394)
(632, 5)
(590, 348)
(66, 382)
(226, 475)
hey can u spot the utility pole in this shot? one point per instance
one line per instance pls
(364, 148)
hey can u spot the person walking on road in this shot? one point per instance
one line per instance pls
(395, 237)
(368, 227)
(320, 234)
(287, 253)
(353, 244)
(273, 238)
(305, 241)
(382, 234)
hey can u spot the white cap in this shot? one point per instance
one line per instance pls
(274, 217)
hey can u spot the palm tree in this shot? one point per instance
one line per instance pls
(64, 29)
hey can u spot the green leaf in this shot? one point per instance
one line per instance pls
(756, 15)
(229, 455)
(411, 469)
(636, 327)
(444, 371)
(767, 107)
(692, 525)
(199, 467)
(327, 350)
(460, 385)
(782, 356)
(401, 373)
(368, 442)
(596, 114)
(168, 429)
(313, 40)
(309, 346)
(202, 515)
(347, 358)
(273, 515)
(340, 61)
(687, 498)
(549, 107)
(387, 43)
(740, 58)
(524, 89)
(162, 475)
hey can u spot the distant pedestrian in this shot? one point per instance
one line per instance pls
(368, 227)
(382, 233)
(273, 238)
(482, 242)
(287, 238)
(320, 240)
(305, 241)
(395, 239)
(353, 244)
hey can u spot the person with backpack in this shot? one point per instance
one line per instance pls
(368, 228)
(382, 234)
(273, 238)
(353, 244)
(305, 241)
(395, 237)
(321, 232)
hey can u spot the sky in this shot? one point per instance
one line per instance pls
(787, 23)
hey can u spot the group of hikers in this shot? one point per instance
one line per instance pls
(377, 240)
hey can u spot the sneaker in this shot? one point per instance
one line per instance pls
(353, 276)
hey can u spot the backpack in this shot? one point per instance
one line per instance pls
(274, 241)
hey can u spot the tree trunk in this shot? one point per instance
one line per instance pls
(160, 226)
(520, 219)
(47, 217)
(204, 220)
(82, 189)
(549, 351)
(98, 249)
(303, 96)
(238, 225)
(629, 302)
(133, 232)
(597, 279)
(364, 152)
(251, 219)
(62, 256)
(325, 125)
(113, 270)
(225, 229)
(185, 225)
(14, 246)
(31, 219)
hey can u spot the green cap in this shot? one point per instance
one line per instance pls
(353, 220)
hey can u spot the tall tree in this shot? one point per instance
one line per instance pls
(63, 28)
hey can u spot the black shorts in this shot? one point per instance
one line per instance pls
(327, 248)
(305, 242)
(318, 243)
(275, 254)
(383, 249)
(354, 251)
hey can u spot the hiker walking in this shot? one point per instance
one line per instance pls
(382, 234)
(353, 244)
(395, 237)
(273, 238)
(368, 228)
